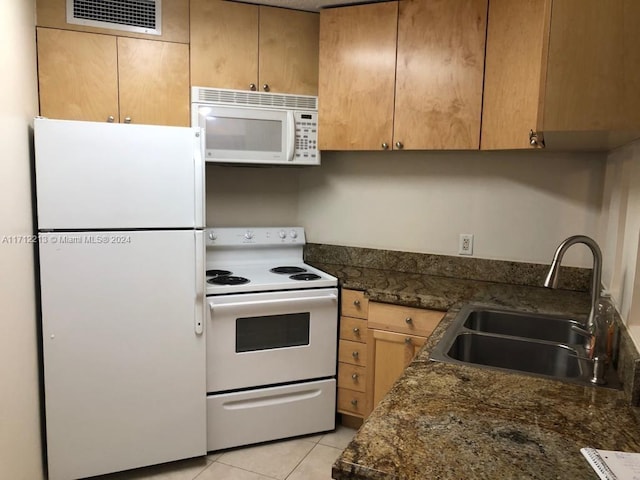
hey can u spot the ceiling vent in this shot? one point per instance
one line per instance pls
(139, 16)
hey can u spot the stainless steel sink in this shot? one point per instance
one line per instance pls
(522, 324)
(546, 359)
(517, 341)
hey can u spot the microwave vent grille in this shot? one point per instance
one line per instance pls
(139, 16)
(255, 99)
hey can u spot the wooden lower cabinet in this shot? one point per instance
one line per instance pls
(352, 356)
(352, 402)
(377, 342)
(390, 354)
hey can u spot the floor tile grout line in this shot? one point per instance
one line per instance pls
(239, 468)
(301, 460)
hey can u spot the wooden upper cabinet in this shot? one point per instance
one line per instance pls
(431, 98)
(439, 74)
(94, 77)
(153, 82)
(631, 18)
(245, 47)
(357, 76)
(566, 69)
(512, 72)
(174, 14)
(288, 52)
(224, 44)
(77, 75)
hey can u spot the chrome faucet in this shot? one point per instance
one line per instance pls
(551, 281)
(595, 331)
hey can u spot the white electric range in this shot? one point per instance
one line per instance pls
(271, 338)
(242, 260)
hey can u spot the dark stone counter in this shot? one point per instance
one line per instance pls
(446, 421)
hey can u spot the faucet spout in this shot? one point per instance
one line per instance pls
(551, 280)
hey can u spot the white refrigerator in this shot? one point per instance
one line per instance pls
(120, 212)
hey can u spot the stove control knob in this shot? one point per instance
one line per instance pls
(248, 235)
(282, 234)
(212, 236)
(293, 234)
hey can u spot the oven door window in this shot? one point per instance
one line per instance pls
(272, 331)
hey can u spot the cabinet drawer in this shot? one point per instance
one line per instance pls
(396, 318)
(351, 402)
(354, 329)
(354, 304)
(352, 377)
(354, 353)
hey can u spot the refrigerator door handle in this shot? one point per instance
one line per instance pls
(200, 276)
(199, 178)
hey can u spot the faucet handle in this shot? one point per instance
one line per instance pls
(599, 368)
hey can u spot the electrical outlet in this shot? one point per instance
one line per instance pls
(465, 247)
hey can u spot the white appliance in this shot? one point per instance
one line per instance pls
(256, 127)
(271, 338)
(121, 258)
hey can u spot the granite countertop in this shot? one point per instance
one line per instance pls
(447, 421)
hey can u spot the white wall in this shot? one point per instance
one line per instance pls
(20, 446)
(252, 196)
(519, 206)
(620, 224)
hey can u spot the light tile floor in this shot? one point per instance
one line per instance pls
(302, 458)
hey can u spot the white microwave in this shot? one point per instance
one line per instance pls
(255, 127)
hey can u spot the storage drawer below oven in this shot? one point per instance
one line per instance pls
(243, 418)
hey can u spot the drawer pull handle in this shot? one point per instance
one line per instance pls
(356, 303)
(407, 340)
(356, 331)
(354, 402)
(354, 377)
(355, 354)
(408, 320)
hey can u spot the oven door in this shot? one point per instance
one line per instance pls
(269, 338)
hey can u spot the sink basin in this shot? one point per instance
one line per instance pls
(520, 342)
(522, 324)
(518, 354)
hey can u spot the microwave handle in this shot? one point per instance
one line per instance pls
(291, 135)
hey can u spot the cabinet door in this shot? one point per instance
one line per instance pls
(224, 44)
(288, 51)
(78, 75)
(439, 74)
(512, 73)
(584, 88)
(632, 62)
(389, 354)
(357, 76)
(153, 82)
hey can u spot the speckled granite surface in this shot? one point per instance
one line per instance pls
(454, 422)
(471, 268)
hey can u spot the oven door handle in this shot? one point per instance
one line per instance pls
(213, 307)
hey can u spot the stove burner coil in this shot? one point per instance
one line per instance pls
(288, 270)
(217, 273)
(305, 276)
(228, 280)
